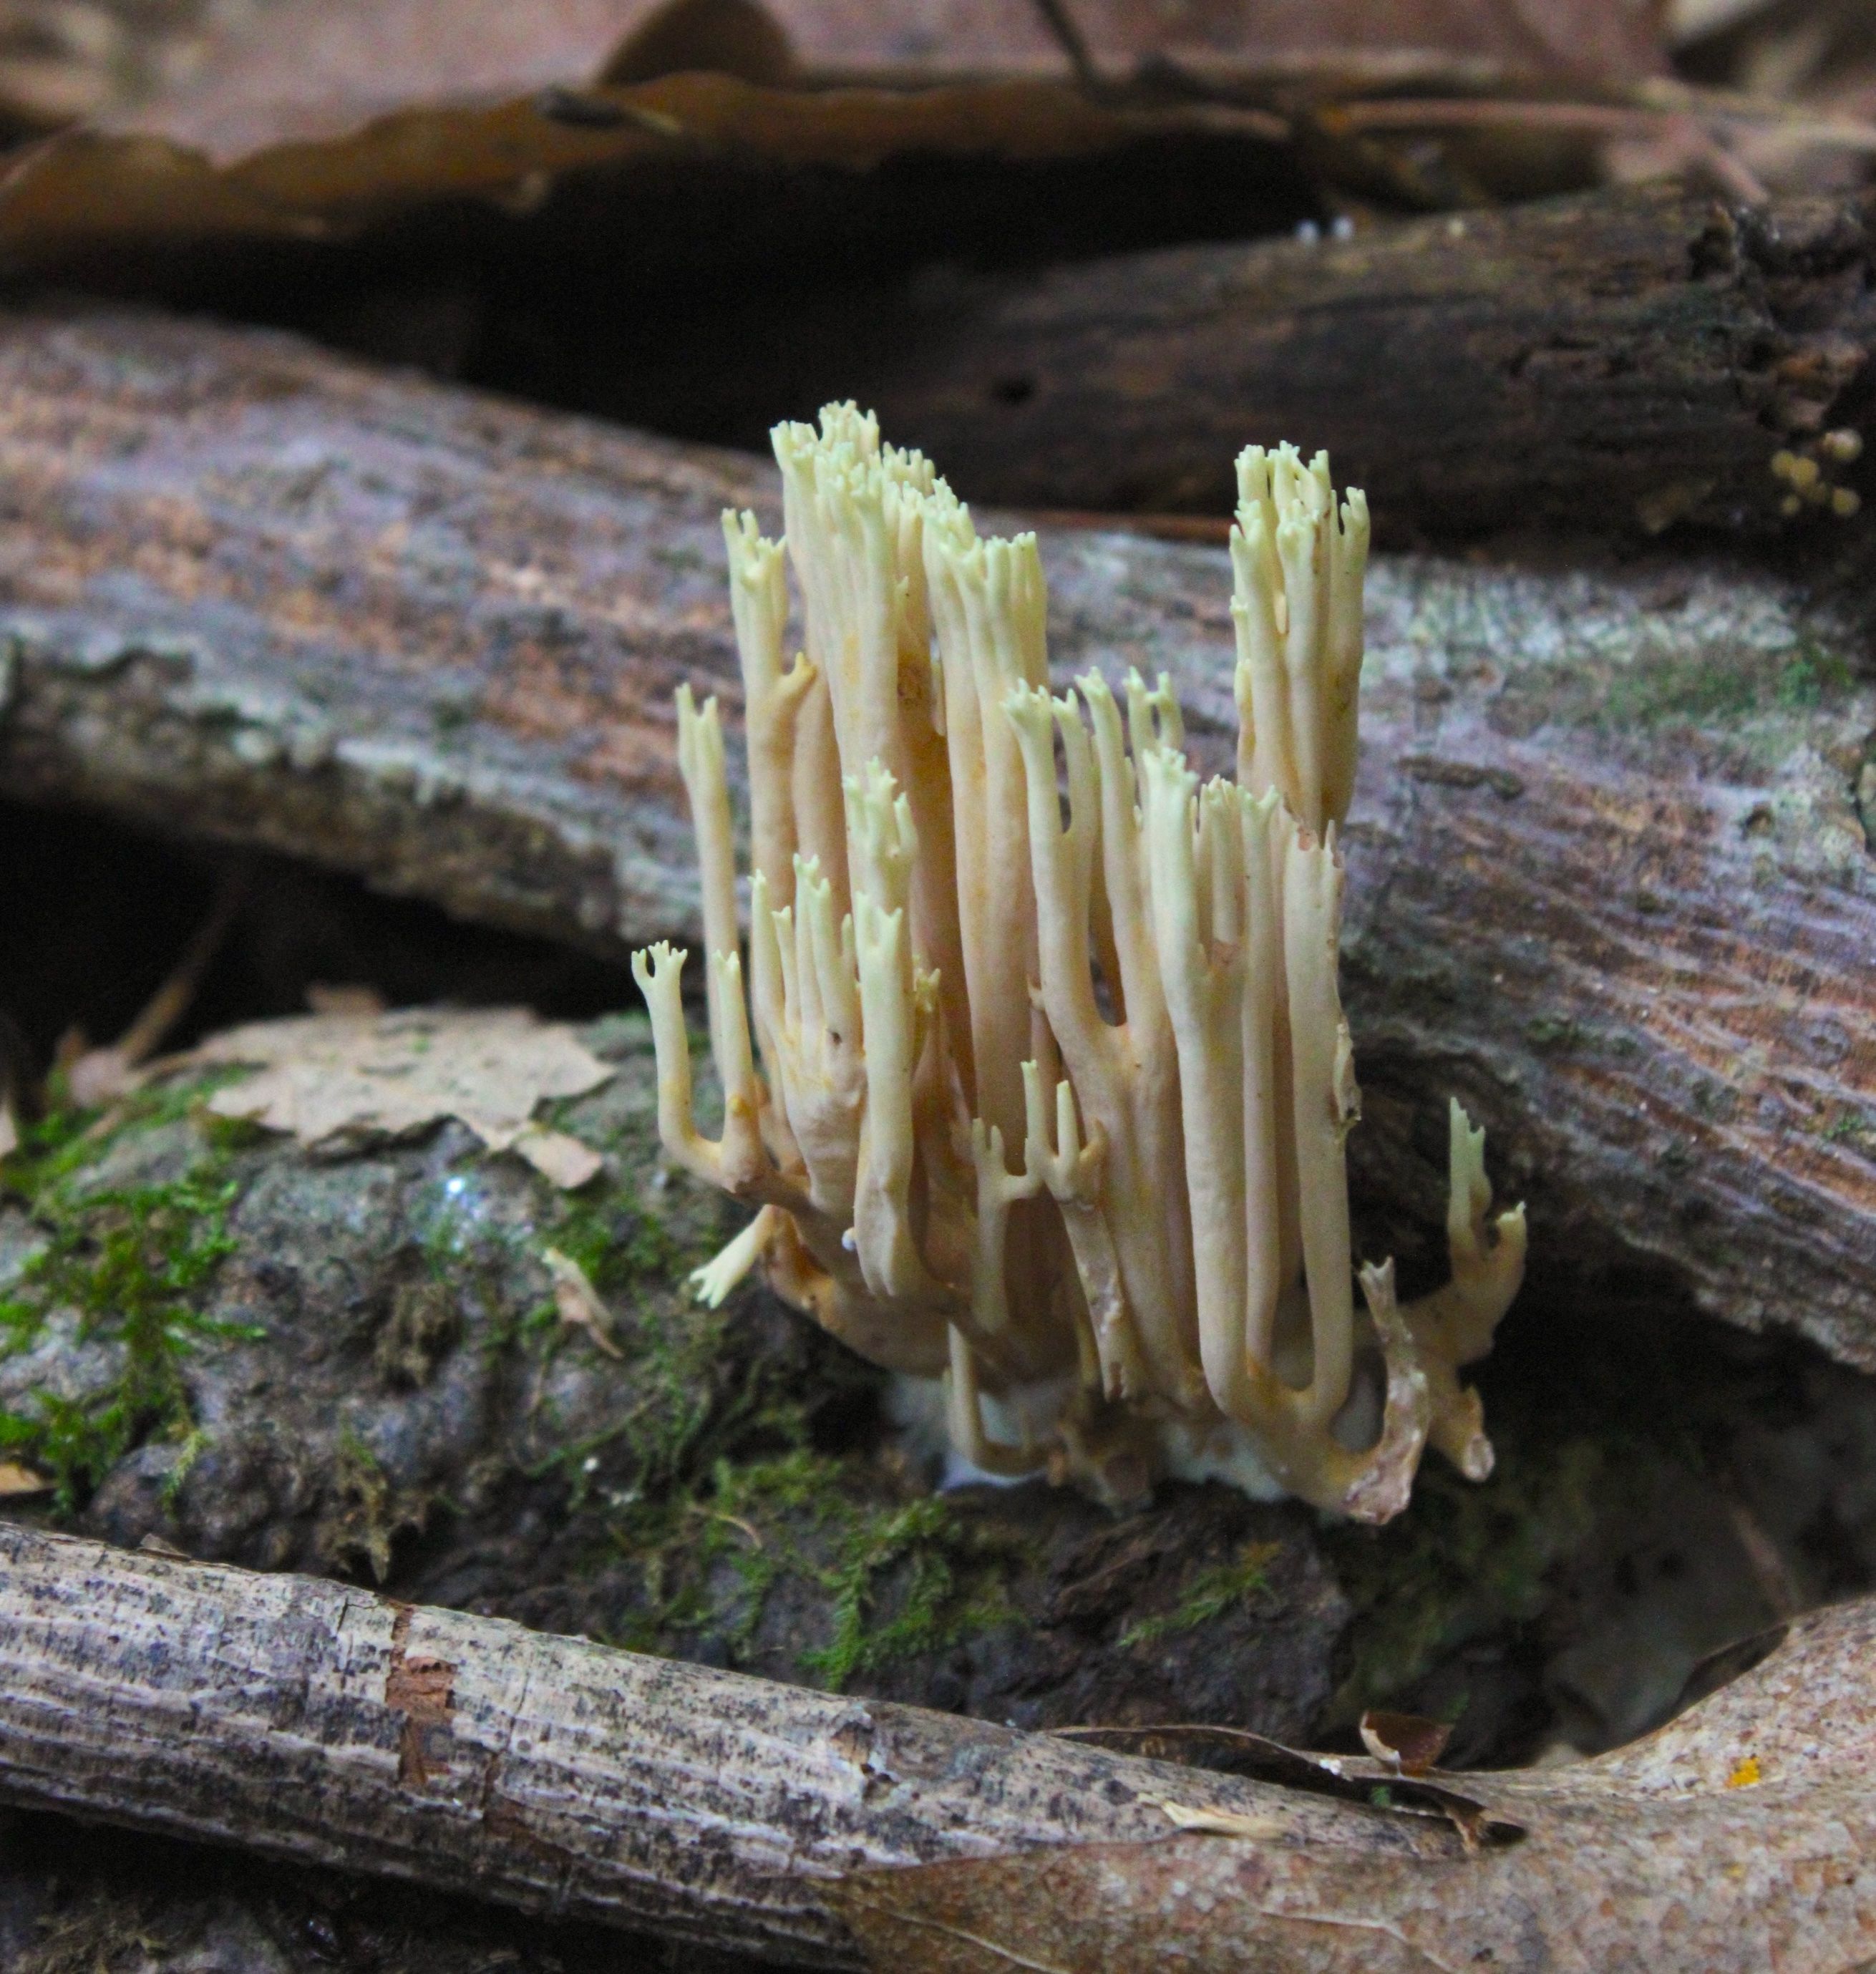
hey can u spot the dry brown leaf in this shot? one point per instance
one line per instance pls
(15, 1479)
(1405, 1742)
(312, 117)
(557, 1156)
(578, 1301)
(329, 1078)
(1741, 1837)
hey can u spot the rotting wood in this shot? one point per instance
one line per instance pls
(314, 1721)
(1609, 882)
(1610, 363)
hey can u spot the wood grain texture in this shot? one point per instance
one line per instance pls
(1735, 1839)
(1614, 362)
(312, 1721)
(1609, 881)
(315, 1721)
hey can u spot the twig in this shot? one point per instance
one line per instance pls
(100, 1074)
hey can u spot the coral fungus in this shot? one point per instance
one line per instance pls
(1054, 1079)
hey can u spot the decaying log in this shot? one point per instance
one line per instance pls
(1609, 879)
(318, 1722)
(313, 1721)
(1616, 361)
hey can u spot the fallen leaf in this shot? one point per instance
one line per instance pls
(578, 1301)
(559, 1156)
(330, 1078)
(309, 118)
(1408, 1743)
(16, 1479)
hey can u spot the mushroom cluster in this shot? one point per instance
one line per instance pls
(1040, 1081)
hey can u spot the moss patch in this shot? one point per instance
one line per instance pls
(1761, 699)
(1723, 687)
(1463, 1559)
(1210, 1594)
(130, 1263)
(861, 1583)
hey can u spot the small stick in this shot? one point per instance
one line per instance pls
(99, 1075)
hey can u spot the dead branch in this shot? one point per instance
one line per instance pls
(1610, 363)
(315, 1721)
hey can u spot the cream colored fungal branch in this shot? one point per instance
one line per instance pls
(1039, 1080)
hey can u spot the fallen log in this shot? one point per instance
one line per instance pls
(1615, 362)
(1609, 879)
(314, 1721)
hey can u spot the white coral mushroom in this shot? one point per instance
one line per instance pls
(1054, 1079)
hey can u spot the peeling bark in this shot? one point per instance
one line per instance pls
(1608, 878)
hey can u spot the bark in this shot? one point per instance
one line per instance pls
(1616, 361)
(316, 1722)
(1609, 881)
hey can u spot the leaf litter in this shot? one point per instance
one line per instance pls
(333, 1080)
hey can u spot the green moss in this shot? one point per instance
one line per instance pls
(896, 1590)
(1851, 1127)
(1210, 1594)
(130, 1261)
(1723, 687)
(621, 1244)
(193, 1447)
(883, 1583)
(680, 1417)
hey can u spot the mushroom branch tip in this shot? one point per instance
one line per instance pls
(1039, 1081)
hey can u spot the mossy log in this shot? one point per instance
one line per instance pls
(1610, 882)
(1610, 363)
